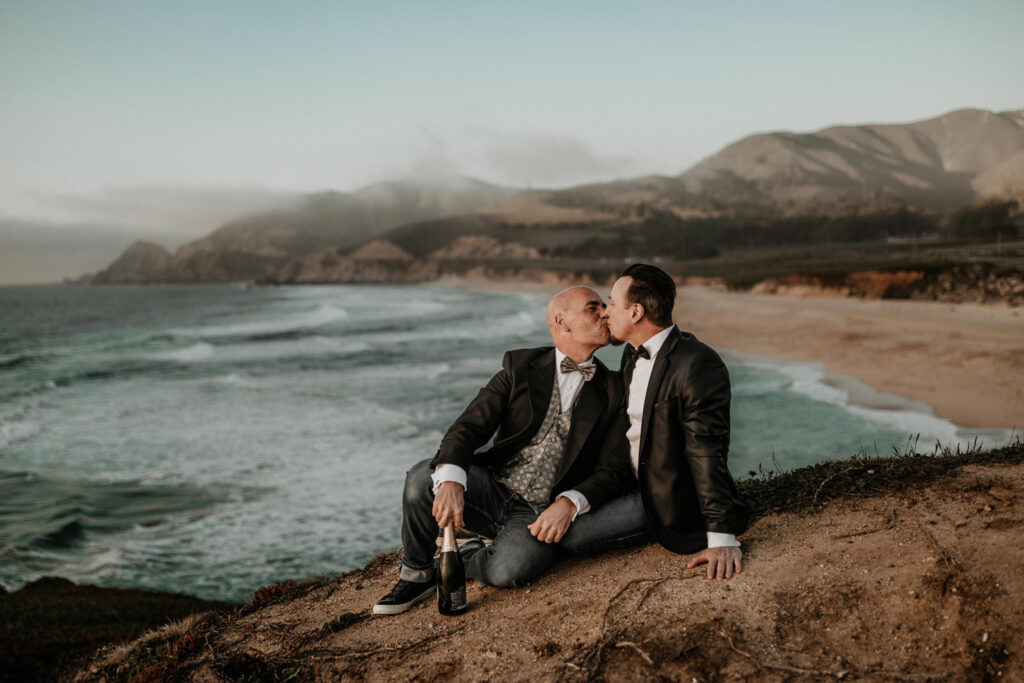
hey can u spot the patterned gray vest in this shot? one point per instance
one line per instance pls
(531, 472)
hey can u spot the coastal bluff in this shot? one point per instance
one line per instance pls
(901, 568)
(769, 205)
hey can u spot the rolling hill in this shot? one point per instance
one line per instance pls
(839, 184)
(257, 245)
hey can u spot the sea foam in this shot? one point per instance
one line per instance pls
(323, 315)
(17, 431)
(188, 354)
(911, 417)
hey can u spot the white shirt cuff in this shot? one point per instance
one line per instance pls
(718, 540)
(577, 499)
(448, 472)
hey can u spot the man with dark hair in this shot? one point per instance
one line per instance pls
(559, 450)
(654, 289)
(677, 401)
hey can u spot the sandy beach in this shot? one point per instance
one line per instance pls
(965, 360)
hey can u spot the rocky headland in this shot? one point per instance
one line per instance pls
(830, 204)
(257, 245)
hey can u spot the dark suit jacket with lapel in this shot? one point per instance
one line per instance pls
(514, 403)
(684, 444)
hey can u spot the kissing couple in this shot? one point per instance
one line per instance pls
(584, 459)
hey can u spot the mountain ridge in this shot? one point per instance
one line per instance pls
(929, 163)
(257, 245)
(873, 180)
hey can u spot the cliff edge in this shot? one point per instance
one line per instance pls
(905, 568)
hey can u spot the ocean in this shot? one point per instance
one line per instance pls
(213, 439)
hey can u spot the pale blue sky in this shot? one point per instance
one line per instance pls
(98, 98)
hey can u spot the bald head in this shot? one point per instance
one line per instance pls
(576, 320)
(567, 299)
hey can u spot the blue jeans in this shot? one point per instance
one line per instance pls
(619, 523)
(491, 510)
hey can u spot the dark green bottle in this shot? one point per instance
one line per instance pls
(451, 577)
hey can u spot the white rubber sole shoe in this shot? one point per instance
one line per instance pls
(402, 598)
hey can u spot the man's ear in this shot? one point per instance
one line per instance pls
(636, 312)
(560, 321)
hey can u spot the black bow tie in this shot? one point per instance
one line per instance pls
(637, 353)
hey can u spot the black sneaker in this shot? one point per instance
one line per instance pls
(404, 595)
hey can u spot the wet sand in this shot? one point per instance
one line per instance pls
(965, 360)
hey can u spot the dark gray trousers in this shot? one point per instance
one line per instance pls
(491, 510)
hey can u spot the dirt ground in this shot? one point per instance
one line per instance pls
(926, 584)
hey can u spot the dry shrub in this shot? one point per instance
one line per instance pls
(267, 594)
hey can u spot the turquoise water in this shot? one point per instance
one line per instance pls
(214, 439)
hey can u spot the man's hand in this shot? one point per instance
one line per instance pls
(722, 562)
(448, 504)
(552, 524)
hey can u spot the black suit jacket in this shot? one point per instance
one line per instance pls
(684, 480)
(514, 403)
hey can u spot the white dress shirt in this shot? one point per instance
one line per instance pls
(635, 410)
(569, 384)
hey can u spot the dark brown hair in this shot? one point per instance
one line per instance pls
(653, 289)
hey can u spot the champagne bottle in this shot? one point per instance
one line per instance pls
(451, 577)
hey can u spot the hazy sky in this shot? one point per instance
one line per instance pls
(139, 112)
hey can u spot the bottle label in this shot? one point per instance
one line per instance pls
(458, 598)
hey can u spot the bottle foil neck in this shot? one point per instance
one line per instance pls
(449, 544)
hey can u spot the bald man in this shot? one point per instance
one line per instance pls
(559, 450)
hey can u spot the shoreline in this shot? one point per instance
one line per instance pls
(912, 417)
(963, 361)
